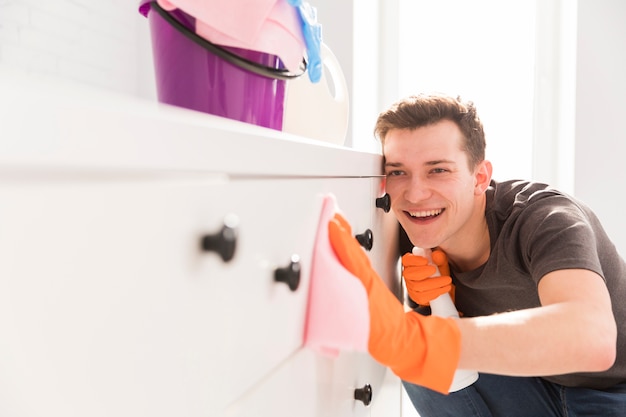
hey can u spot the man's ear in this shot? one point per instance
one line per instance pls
(482, 176)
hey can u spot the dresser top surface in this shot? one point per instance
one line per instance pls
(49, 123)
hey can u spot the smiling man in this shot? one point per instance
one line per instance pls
(539, 282)
(440, 189)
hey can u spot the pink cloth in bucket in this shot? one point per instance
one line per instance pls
(338, 310)
(269, 26)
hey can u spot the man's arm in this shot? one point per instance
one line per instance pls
(573, 331)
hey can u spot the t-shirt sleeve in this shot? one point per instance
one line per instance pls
(556, 233)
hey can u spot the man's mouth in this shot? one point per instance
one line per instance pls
(425, 214)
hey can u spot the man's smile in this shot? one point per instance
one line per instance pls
(425, 214)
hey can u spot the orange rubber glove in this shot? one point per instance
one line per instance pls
(423, 350)
(418, 277)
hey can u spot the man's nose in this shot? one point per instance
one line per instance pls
(417, 191)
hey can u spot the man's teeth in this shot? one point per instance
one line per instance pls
(427, 213)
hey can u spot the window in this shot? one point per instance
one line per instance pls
(484, 51)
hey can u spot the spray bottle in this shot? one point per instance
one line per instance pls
(443, 306)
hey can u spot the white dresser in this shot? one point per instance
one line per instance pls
(110, 305)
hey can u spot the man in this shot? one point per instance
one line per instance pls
(536, 278)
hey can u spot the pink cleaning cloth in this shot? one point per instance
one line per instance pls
(338, 310)
(269, 26)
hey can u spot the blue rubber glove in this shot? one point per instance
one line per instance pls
(312, 32)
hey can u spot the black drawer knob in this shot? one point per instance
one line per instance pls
(364, 394)
(223, 242)
(366, 239)
(290, 274)
(384, 203)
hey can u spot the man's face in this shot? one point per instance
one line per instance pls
(433, 193)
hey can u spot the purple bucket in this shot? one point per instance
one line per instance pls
(191, 72)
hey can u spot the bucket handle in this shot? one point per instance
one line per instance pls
(254, 67)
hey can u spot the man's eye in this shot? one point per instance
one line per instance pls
(394, 173)
(438, 170)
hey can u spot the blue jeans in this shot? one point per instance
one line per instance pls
(502, 396)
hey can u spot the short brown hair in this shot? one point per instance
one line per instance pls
(422, 110)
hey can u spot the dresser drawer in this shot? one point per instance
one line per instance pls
(107, 301)
(311, 385)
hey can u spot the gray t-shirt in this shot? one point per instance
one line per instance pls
(534, 230)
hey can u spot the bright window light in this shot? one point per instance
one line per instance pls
(484, 51)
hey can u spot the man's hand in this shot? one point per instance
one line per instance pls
(421, 286)
(423, 350)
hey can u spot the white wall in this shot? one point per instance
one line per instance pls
(554, 93)
(352, 30)
(100, 43)
(457, 53)
(600, 161)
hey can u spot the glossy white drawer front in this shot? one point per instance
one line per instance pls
(108, 304)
